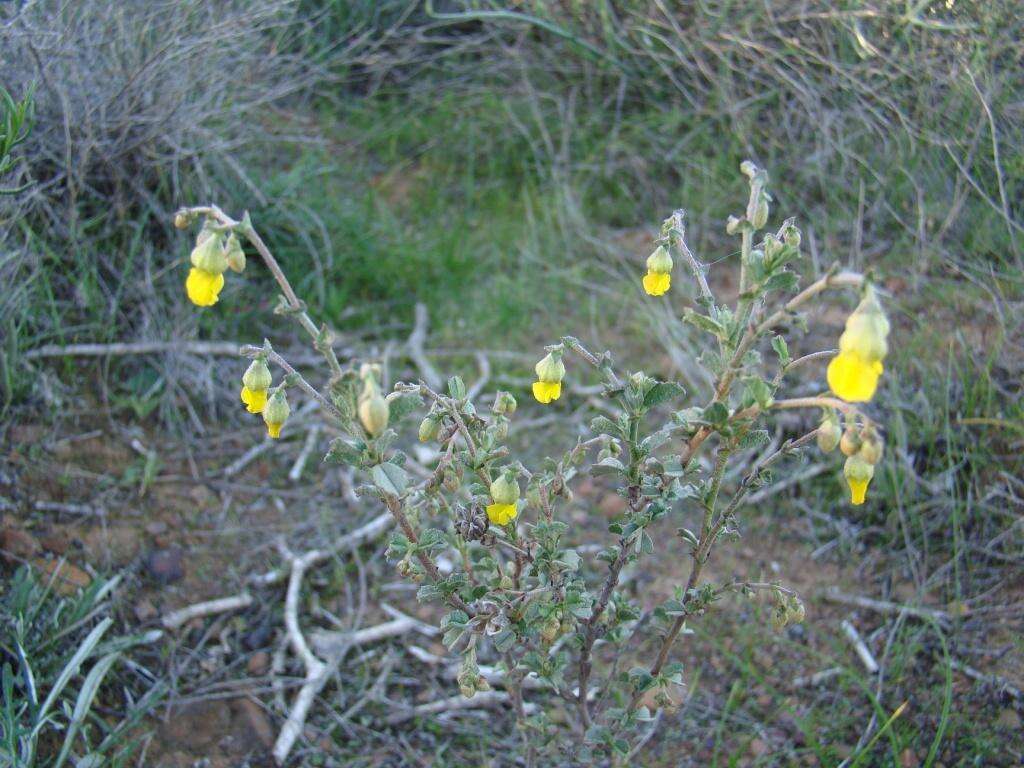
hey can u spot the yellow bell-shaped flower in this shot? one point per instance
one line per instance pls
(550, 372)
(853, 374)
(658, 279)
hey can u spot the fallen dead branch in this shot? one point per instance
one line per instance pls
(860, 647)
(176, 619)
(886, 607)
(482, 700)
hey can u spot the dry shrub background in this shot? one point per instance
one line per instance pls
(501, 163)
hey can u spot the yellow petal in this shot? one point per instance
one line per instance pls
(274, 430)
(254, 399)
(501, 514)
(852, 378)
(203, 287)
(657, 283)
(546, 391)
(858, 490)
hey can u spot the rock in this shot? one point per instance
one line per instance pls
(1009, 719)
(18, 545)
(198, 725)
(57, 541)
(166, 566)
(67, 578)
(259, 663)
(256, 718)
(144, 610)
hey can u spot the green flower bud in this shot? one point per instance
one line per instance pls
(792, 236)
(208, 255)
(234, 255)
(504, 403)
(850, 442)
(257, 375)
(373, 411)
(732, 225)
(829, 432)
(760, 214)
(429, 428)
(505, 490)
(660, 260)
(748, 169)
(872, 446)
(533, 496)
(181, 220)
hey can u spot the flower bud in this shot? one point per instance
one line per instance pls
(858, 474)
(505, 490)
(181, 220)
(850, 442)
(732, 225)
(504, 403)
(760, 213)
(748, 169)
(275, 413)
(795, 610)
(872, 445)
(208, 255)
(234, 255)
(257, 375)
(660, 260)
(429, 428)
(373, 411)
(772, 246)
(791, 235)
(829, 432)
(533, 496)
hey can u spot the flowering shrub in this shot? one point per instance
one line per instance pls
(520, 592)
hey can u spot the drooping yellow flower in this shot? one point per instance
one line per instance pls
(657, 283)
(255, 382)
(276, 412)
(501, 514)
(505, 497)
(853, 378)
(550, 372)
(203, 288)
(853, 374)
(206, 278)
(546, 391)
(255, 399)
(658, 279)
(858, 473)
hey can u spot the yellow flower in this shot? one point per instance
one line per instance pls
(546, 391)
(203, 287)
(501, 514)
(550, 372)
(658, 279)
(255, 382)
(276, 412)
(255, 399)
(853, 373)
(853, 378)
(657, 283)
(858, 475)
